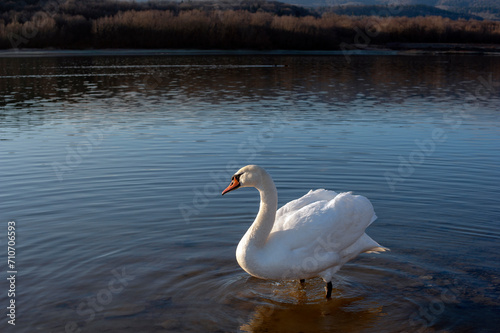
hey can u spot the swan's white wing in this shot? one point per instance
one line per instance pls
(353, 214)
(323, 226)
(294, 206)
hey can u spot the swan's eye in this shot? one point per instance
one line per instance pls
(237, 177)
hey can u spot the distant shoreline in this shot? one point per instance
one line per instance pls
(440, 48)
(389, 49)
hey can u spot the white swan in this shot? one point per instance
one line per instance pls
(311, 236)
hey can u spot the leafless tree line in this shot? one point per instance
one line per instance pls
(233, 29)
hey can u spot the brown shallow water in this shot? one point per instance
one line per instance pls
(112, 168)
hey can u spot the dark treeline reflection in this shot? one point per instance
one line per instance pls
(248, 25)
(53, 84)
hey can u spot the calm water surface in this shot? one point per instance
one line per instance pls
(112, 168)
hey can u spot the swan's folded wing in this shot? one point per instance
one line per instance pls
(325, 226)
(297, 204)
(353, 214)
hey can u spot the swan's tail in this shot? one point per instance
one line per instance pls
(378, 249)
(373, 246)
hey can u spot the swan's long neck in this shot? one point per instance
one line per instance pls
(258, 233)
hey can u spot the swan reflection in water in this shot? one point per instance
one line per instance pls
(308, 313)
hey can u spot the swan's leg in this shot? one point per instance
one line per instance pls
(329, 290)
(302, 281)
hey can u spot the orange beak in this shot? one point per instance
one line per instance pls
(233, 186)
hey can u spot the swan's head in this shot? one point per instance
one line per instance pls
(248, 176)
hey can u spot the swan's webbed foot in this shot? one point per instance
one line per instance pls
(302, 281)
(329, 290)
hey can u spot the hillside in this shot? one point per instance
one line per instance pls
(434, 3)
(408, 11)
(98, 8)
(486, 9)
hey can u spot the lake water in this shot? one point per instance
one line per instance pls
(112, 169)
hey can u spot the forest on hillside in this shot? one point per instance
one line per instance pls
(403, 10)
(486, 9)
(219, 25)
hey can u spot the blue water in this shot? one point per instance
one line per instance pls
(112, 168)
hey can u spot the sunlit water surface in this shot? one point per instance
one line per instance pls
(112, 168)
